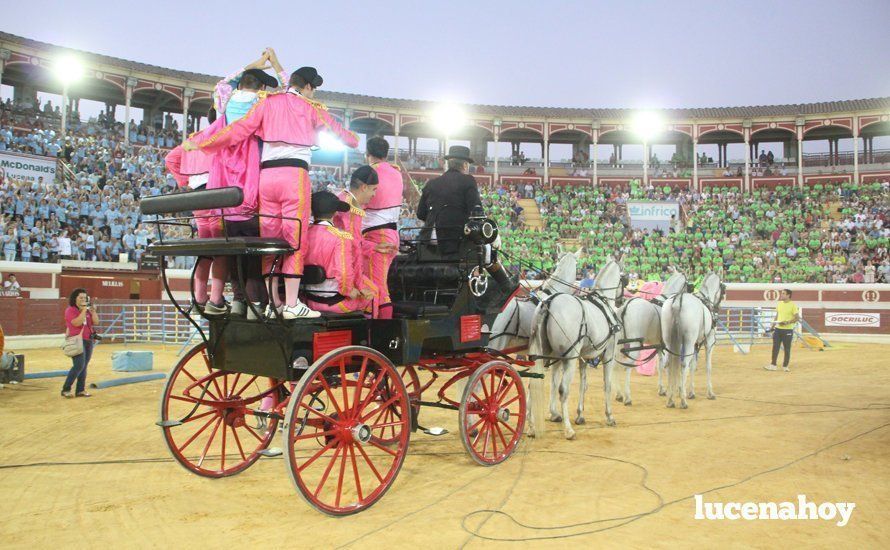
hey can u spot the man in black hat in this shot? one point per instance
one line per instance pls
(448, 201)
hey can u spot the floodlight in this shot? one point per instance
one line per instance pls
(647, 125)
(68, 69)
(328, 142)
(448, 118)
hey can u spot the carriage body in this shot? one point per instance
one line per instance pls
(342, 384)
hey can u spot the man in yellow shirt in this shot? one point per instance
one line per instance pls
(787, 317)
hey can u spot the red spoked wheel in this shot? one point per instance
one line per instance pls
(206, 416)
(492, 413)
(389, 434)
(333, 458)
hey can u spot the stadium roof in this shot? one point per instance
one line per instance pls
(852, 105)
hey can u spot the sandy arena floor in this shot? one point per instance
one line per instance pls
(96, 472)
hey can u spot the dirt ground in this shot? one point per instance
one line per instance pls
(96, 472)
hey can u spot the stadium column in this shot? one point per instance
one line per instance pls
(4, 57)
(695, 157)
(496, 132)
(747, 129)
(595, 134)
(546, 153)
(187, 95)
(800, 124)
(396, 123)
(128, 97)
(645, 164)
(855, 149)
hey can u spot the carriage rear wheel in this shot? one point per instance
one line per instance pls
(332, 456)
(492, 413)
(389, 434)
(207, 416)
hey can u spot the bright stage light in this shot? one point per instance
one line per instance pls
(647, 125)
(449, 118)
(68, 69)
(328, 142)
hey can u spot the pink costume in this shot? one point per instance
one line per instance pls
(380, 225)
(331, 248)
(191, 169)
(351, 222)
(285, 122)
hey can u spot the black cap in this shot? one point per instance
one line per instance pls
(325, 204)
(365, 174)
(310, 75)
(263, 77)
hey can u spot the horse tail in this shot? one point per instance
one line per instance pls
(676, 340)
(536, 383)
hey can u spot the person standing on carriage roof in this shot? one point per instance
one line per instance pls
(447, 202)
(380, 224)
(332, 249)
(362, 188)
(288, 123)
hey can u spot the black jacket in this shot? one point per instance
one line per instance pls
(446, 204)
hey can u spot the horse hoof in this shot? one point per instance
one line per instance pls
(628, 403)
(580, 420)
(690, 396)
(670, 405)
(555, 418)
(684, 406)
(662, 393)
(611, 422)
(711, 396)
(570, 435)
(530, 434)
(619, 398)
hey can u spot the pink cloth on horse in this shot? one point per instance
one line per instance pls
(647, 368)
(651, 289)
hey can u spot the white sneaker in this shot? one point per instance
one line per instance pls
(251, 316)
(771, 367)
(299, 311)
(786, 369)
(272, 312)
(238, 308)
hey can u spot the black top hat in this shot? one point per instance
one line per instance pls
(263, 77)
(459, 152)
(365, 174)
(310, 75)
(325, 204)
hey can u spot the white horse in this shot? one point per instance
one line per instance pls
(687, 323)
(513, 326)
(641, 326)
(567, 328)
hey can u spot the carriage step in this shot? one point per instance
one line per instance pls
(168, 423)
(435, 431)
(271, 452)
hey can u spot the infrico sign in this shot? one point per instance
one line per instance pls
(852, 319)
(652, 211)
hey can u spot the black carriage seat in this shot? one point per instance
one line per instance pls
(232, 246)
(414, 278)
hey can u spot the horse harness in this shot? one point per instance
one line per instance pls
(594, 299)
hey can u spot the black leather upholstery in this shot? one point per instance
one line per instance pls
(418, 309)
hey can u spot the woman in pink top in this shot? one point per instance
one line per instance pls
(79, 318)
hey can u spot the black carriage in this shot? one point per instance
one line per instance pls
(346, 390)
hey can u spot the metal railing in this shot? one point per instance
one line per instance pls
(744, 327)
(147, 323)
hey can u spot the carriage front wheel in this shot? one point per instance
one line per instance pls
(209, 416)
(492, 413)
(332, 456)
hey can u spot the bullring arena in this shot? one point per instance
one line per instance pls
(431, 378)
(820, 430)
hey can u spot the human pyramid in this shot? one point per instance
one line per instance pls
(260, 141)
